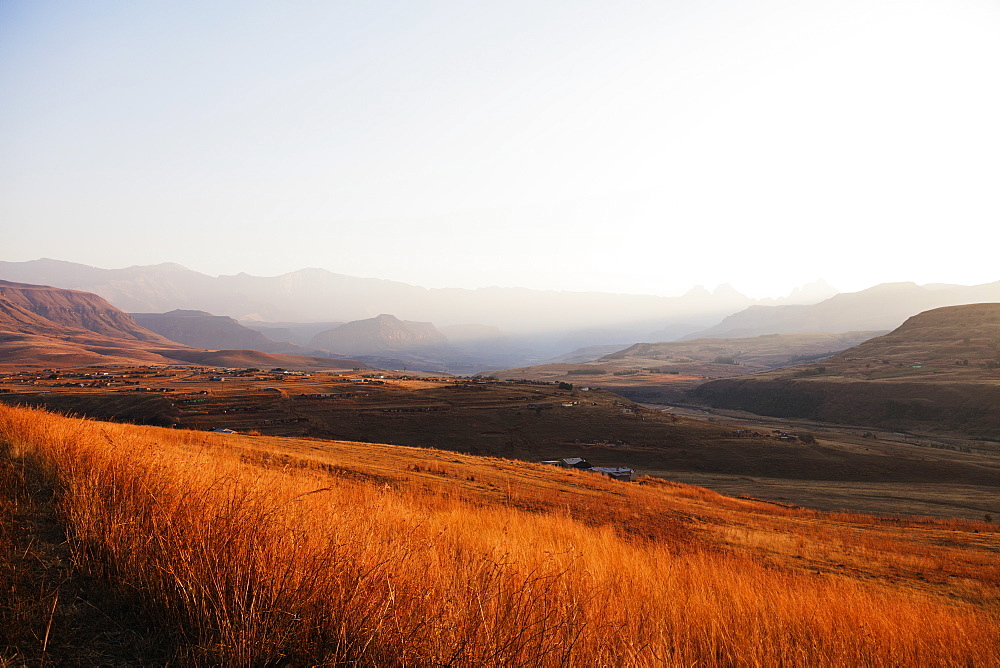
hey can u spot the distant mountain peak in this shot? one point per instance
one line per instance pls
(698, 291)
(166, 266)
(810, 293)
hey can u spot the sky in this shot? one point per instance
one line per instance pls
(641, 147)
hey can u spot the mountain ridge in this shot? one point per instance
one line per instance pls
(880, 307)
(320, 295)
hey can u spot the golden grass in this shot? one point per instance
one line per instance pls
(263, 550)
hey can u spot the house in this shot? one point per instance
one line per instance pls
(575, 463)
(615, 472)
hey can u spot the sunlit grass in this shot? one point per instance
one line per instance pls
(263, 550)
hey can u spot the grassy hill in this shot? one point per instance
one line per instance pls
(249, 550)
(940, 370)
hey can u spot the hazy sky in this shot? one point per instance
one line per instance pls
(632, 147)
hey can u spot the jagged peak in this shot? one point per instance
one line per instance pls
(698, 291)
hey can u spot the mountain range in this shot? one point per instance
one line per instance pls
(42, 326)
(881, 307)
(311, 295)
(465, 331)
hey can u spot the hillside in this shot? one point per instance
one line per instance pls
(940, 370)
(199, 329)
(247, 550)
(664, 372)
(755, 353)
(66, 348)
(68, 309)
(42, 326)
(257, 359)
(16, 318)
(381, 335)
(882, 307)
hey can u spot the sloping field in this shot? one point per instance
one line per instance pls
(261, 550)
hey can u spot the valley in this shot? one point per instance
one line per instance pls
(871, 429)
(535, 420)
